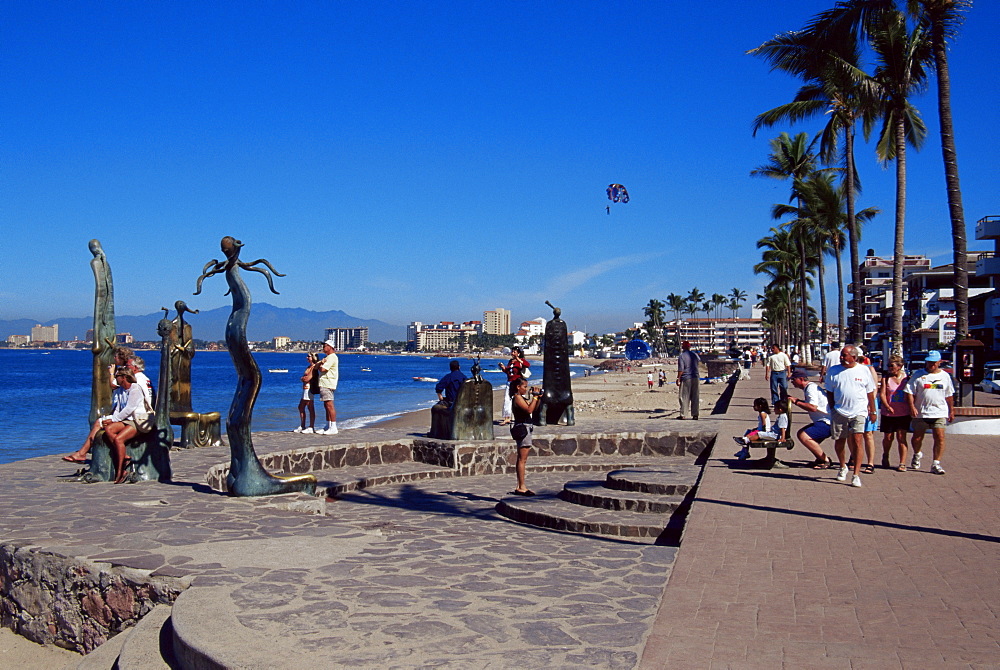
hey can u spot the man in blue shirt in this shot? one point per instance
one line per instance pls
(450, 384)
(687, 381)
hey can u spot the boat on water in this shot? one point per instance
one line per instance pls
(424, 379)
(277, 369)
(366, 369)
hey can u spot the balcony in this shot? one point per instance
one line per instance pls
(988, 228)
(987, 264)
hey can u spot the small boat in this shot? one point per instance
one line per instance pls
(277, 369)
(366, 369)
(424, 379)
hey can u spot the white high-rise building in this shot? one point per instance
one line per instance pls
(496, 321)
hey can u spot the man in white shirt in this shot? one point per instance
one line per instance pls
(930, 394)
(816, 405)
(776, 371)
(329, 375)
(831, 358)
(850, 390)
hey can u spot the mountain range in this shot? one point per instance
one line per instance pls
(266, 321)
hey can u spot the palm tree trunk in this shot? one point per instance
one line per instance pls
(804, 303)
(840, 295)
(955, 209)
(821, 272)
(857, 331)
(897, 251)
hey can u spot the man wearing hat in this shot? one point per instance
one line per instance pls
(329, 374)
(931, 406)
(816, 405)
(687, 381)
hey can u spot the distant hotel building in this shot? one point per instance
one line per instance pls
(719, 334)
(496, 321)
(281, 342)
(40, 333)
(347, 338)
(443, 336)
(18, 340)
(123, 338)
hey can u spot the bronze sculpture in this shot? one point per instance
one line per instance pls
(471, 417)
(557, 396)
(197, 430)
(104, 333)
(247, 476)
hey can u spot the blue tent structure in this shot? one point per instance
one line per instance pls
(637, 350)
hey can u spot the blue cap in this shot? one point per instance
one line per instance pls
(932, 356)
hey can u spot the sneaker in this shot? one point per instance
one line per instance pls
(915, 463)
(842, 475)
(298, 429)
(739, 440)
(743, 454)
(856, 481)
(331, 431)
(308, 431)
(936, 468)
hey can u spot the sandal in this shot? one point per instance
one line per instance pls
(73, 458)
(529, 492)
(868, 469)
(822, 464)
(901, 468)
(126, 465)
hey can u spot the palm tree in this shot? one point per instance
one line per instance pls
(793, 158)
(677, 305)
(940, 19)
(734, 306)
(654, 324)
(780, 263)
(835, 87)
(718, 300)
(739, 297)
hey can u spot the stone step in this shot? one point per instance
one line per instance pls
(548, 510)
(149, 645)
(104, 657)
(673, 479)
(593, 493)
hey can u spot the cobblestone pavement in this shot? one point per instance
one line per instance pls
(790, 568)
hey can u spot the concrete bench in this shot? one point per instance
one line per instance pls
(771, 462)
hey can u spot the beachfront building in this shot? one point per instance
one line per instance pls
(346, 339)
(529, 329)
(280, 342)
(496, 321)
(442, 336)
(718, 334)
(984, 309)
(40, 333)
(18, 340)
(876, 289)
(929, 314)
(124, 338)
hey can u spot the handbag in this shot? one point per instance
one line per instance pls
(145, 422)
(526, 373)
(519, 431)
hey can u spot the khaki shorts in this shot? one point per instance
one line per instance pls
(842, 426)
(921, 426)
(326, 394)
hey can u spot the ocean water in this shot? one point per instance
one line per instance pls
(45, 395)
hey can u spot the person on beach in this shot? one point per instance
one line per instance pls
(687, 381)
(930, 395)
(329, 375)
(850, 390)
(776, 369)
(895, 419)
(764, 430)
(524, 402)
(516, 368)
(649, 380)
(447, 388)
(126, 422)
(815, 403)
(310, 388)
(661, 376)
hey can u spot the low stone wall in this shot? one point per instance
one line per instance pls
(52, 599)
(469, 459)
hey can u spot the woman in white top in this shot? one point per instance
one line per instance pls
(123, 424)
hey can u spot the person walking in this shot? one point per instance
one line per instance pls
(931, 398)
(687, 381)
(895, 420)
(329, 375)
(850, 390)
(776, 369)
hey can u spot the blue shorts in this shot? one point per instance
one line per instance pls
(872, 426)
(819, 430)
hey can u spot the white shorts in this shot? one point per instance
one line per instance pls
(306, 395)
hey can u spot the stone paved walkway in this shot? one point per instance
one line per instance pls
(792, 569)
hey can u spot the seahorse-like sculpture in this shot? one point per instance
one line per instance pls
(557, 392)
(104, 333)
(247, 477)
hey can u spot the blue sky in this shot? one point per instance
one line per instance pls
(424, 161)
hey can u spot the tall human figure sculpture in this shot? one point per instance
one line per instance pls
(181, 353)
(104, 333)
(557, 396)
(247, 476)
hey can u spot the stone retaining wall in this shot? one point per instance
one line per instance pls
(468, 459)
(52, 599)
